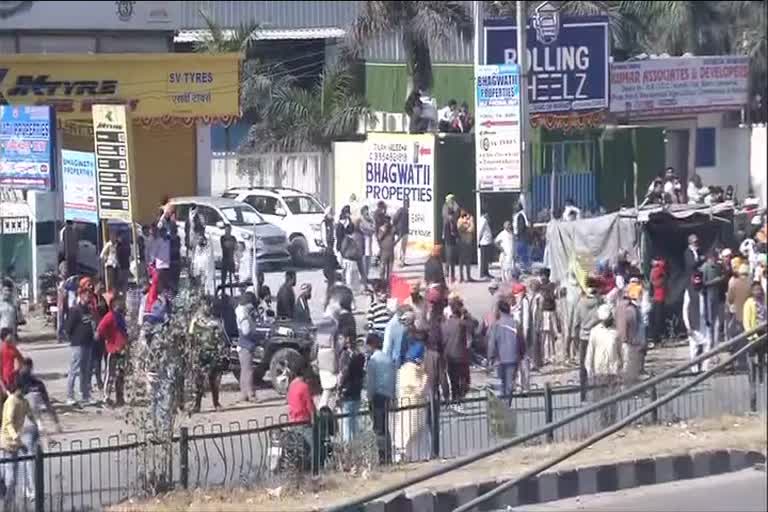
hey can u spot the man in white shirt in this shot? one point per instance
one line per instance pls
(695, 318)
(604, 361)
(505, 242)
(446, 116)
(520, 227)
(570, 211)
(485, 241)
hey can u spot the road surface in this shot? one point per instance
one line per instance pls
(742, 491)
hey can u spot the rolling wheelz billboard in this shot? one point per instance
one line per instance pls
(568, 59)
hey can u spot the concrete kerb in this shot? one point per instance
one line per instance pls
(558, 485)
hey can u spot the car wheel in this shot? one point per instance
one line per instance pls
(299, 250)
(281, 369)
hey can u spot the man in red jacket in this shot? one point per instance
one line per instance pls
(113, 330)
(659, 295)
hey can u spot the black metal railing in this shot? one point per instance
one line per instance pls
(94, 474)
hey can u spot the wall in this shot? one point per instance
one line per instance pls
(77, 15)
(386, 85)
(731, 151)
(758, 167)
(308, 172)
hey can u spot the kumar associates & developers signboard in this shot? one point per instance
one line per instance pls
(679, 85)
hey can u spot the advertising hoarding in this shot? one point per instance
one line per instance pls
(399, 166)
(27, 136)
(567, 59)
(113, 169)
(152, 86)
(497, 128)
(78, 173)
(679, 85)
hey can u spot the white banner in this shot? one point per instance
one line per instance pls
(497, 128)
(400, 166)
(679, 85)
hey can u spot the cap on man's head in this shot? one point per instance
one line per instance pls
(450, 197)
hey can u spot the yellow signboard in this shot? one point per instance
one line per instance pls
(113, 169)
(169, 85)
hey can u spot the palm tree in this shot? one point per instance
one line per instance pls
(298, 119)
(422, 26)
(219, 40)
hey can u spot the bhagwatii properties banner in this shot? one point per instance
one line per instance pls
(78, 172)
(567, 59)
(150, 85)
(399, 166)
(26, 145)
(497, 128)
(679, 85)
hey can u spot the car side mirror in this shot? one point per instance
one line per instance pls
(280, 212)
(220, 224)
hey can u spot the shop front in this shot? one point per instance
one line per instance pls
(167, 96)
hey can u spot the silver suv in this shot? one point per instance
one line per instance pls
(248, 226)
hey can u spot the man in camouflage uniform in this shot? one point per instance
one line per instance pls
(208, 337)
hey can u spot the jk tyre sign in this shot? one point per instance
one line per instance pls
(568, 59)
(113, 169)
(497, 128)
(26, 147)
(150, 85)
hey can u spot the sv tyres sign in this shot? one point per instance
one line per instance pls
(149, 85)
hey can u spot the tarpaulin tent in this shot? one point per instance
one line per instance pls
(578, 245)
(665, 235)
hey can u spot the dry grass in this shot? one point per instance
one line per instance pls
(743, 433)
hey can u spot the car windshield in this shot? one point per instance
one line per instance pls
(242, 215)
(303, 205)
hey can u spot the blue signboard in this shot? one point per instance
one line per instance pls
(26, 147)
(78, 176)
(568, 59)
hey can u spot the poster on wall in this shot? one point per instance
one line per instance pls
(398, 167)
(568, 58)
(113, 170)
(679, 85)
(26, 145)
(78, 172)
(497, 128)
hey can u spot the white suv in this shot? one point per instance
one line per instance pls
(299, 214)
(268, 240)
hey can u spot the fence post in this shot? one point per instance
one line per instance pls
(184, 457)
(655, 412)
(39, 480)
(549, 412)
(583, 383)
(316, 448)
(752, 378)
(434, 405)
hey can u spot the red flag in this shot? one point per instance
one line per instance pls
(399, 288)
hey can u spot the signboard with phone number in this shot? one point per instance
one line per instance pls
(26, 142)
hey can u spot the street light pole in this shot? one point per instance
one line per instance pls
(479, 60)
(522, 61)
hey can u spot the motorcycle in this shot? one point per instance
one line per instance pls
(50, 297)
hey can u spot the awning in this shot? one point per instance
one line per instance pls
(679, 211)
(198, 35)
